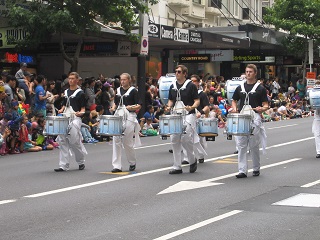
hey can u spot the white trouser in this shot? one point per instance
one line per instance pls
(71, 144)
(316, 133)
(253, 141)
(127, 142)
(198, 152)
(185, 140)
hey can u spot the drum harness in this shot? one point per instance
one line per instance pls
(68, 111)
(247, 109)
(179, 107)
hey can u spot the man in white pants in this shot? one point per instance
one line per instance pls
(316, 125)
(183, 97)
(254, 94)
(73, 107)
(126, 103)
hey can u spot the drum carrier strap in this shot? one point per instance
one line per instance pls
(247, 109)
(179, 105)
(121, 109)
(68, 108)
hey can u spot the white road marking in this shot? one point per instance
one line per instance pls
(189, 185)
(311, 184)
(151, 146)
(145, 173)
(198, 225)
(282, 126)
(301, 200)
(7, 201)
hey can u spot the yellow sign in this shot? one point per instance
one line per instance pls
(9, 36)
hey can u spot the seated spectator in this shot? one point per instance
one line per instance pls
(39, 138)
(149, 114)
(85, 129)
(29, 145)
(3, 140)
(275, 115)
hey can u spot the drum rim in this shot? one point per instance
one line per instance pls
(170, 116)
(110, 117)
(55, 117)
(237, 115)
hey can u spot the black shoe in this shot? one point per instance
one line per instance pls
(170, 151)
(255, 173)
(82, 166)
(132, 168)
(175, 171)
(193, 167)
(185, 162)
(241, 175)
(201, 160)
(236, 152)
(59, 170)
(318, 156)
(115, 170)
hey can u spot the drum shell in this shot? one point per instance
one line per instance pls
(238, 124)
(314, 96)
(164, 87)
(231, 86)
(56, 125)
(207, 127)
(110, 125)
(170, 124)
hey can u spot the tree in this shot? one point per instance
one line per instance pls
(300, 18)
(42, 19)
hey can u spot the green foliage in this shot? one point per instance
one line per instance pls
(42, 19)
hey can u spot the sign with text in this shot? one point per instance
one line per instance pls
(124, 48)
(9, 57)
(194, 58)
(219, 55)
(167, 32)
(181, 35)
(10, 36)
(154, 30)
(195, 37)
(249, 58)
(311, 75)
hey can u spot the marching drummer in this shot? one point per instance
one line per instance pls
(184, 99)
(316, 125)
(73, 108)
(253, 100)
(202, 111)
(126, 104)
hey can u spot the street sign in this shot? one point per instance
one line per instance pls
(144, 50)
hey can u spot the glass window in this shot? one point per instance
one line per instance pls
(245, 13)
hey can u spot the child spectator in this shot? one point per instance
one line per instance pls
(39, 138)
(3, 139)
(29, 145)
(3, 128)
(14, 126)
(85, 129)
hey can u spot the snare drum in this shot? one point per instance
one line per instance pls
(170, 124)
(207, 127)
(238, 124)
(56, 125)
(110, 125)
(314, 95)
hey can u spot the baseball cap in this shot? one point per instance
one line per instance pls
(106, 84)
(23, 64)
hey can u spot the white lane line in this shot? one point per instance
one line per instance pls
(283, 126)
(7, 201)
(139, 174)
(311, 184)
(150, 146)
(198, 225)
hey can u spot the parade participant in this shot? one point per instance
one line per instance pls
(316, 125)
(251, 93)
(202, 111)
(126, 104)
(73, 107)
(184, 99)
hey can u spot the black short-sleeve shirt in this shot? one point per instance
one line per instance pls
(131, 99)
(255, 99)
(76, 102)
(204, 100)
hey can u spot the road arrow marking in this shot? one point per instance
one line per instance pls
(188, 185)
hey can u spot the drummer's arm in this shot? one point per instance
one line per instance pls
(234, 106)
(195, 104)
(265, 107)
(169, 106)
(134, 107)
(62, 109)
(81, 112)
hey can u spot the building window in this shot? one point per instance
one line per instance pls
(196, 1)
(215, 3)
(264, 12)
(245, 13)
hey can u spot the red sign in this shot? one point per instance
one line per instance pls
(311, 75)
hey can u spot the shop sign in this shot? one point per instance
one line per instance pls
(18, 58)
(195, 37)
(311, 75)
(98, 47)
(154, 30)
(196, 58)
(181, 35)
(9, 36)
(219, 55)
(167, 32)
(249, 58)
(124, 48)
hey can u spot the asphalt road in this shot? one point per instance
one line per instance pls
(282, 203)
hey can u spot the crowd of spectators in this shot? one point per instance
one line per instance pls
(27, 99)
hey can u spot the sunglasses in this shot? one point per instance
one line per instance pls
(178, 71)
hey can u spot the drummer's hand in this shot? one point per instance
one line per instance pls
(231, 110)
(198, 115)
(79, 114)
(189, 108)
(258, 109)
(60, 111)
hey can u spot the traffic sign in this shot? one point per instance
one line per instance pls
(144, 50)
